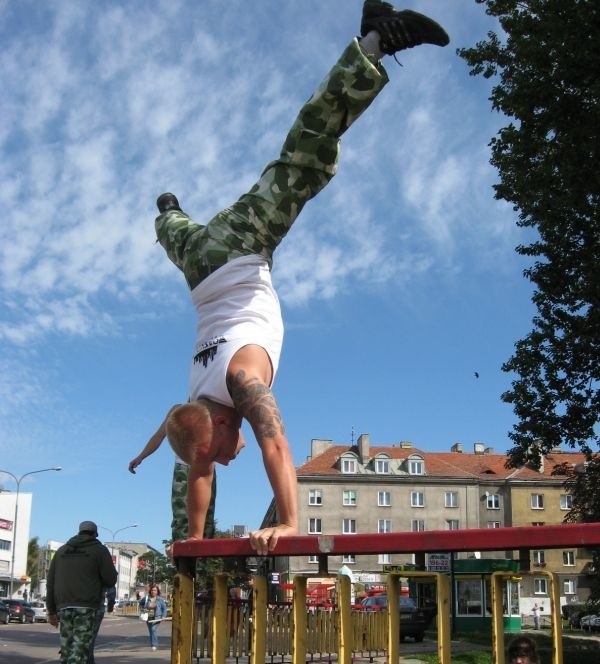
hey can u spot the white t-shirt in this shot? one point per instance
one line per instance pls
(237, 305)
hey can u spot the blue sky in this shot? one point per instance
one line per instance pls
(397, 283)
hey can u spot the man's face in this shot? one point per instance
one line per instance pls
(228, 443)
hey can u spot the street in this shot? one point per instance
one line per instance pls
(121, 640)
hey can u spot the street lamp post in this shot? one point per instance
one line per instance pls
(14, 542)
(118, 556)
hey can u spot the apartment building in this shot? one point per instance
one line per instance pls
(366, 488)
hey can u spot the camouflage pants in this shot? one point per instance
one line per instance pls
(179, 524)
(76, 634)
(260, 219)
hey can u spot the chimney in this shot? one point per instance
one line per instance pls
(488, 450)
(363, 447)
(318, 446)
(478, 448)
(457, 447)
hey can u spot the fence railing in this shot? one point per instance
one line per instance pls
(291, 630)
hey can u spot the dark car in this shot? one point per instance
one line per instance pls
(20, 610)
(4, 613)
(413, 621)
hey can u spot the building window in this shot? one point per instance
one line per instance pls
(314, 526)
(384, 526)
(417, 499)
(416, 467)
(382, 466)
(469, 597)
(384, 559)
(417, 525)
(569, 558)
(540, 585)
(569, 587)
(315, 497)
(539, 558)
(349, 466)
(4, 545)
(349, 558)
(348, 526)
(493, 524)
(451, 524)
(349, 497)
(538, 523)
(313, 559)
(384, 499)
(451, 499)
(493, 501)
(566, 501)
(537, 501)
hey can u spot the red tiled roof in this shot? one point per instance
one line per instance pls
(444, 464)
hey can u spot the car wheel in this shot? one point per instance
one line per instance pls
(7, 619)
(31, 620)
(22, 619)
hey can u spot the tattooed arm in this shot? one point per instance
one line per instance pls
(248, 379)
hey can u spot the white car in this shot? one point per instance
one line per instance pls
(41, 613)
(588, 623)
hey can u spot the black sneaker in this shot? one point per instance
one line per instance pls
(400, 29)
(166, 202)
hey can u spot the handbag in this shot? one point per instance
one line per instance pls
(144, 616)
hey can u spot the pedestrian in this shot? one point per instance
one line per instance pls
(155, 609)
(536, 616)
(522, 650)
(79, 571)
(227, 266)
(107, 603)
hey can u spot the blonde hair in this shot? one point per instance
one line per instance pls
(189, 429)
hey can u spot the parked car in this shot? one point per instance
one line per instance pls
(4, 613)
(413, 620)
(587, 623)
(20, 610)
(41, 612)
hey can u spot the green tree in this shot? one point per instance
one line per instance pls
(33, 564)
(545, 64)
(154, 567)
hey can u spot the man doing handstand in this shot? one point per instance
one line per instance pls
(227, 266)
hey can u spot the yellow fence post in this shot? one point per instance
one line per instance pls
(220, 628)
(299, 620)
(259, 620)
(345, 632)
(498, 616)
(393, 606)
(182, 628)
(555, 612)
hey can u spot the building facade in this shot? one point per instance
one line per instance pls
(14, 542)
(378, 489)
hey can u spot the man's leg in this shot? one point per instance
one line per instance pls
(179, 523)
(76, 633)
(260, 219)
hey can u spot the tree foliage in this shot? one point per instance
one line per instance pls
(545, 64)
(154, 567)
(33, 563)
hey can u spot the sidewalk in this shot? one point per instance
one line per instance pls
(136, 649)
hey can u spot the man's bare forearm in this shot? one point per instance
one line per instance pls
(255, 402)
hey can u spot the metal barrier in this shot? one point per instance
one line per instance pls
(293, 630)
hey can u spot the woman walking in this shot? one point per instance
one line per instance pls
(156, 608)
